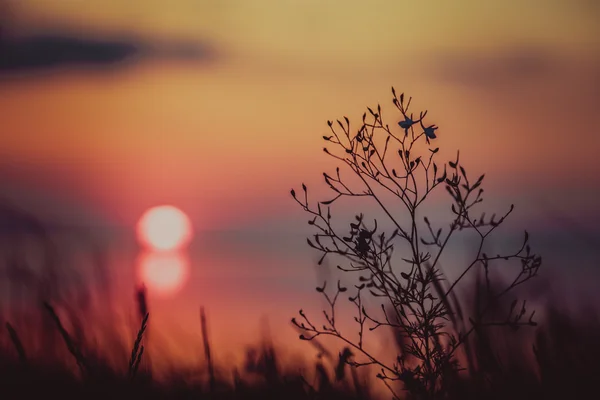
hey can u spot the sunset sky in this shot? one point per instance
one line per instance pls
(513, 84)
(108, 107)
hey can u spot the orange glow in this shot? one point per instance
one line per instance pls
(164, 228)
(164, 273)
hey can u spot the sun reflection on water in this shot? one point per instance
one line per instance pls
(164, 273)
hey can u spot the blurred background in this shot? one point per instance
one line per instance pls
(108, 108)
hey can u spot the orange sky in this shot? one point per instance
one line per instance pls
(514, 84)
(250, 122)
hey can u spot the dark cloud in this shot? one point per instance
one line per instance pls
(518, 64)
(591, 8)
(50, 51)
(533, 72)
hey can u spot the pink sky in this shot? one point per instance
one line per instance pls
(512, 85)
(224, 135)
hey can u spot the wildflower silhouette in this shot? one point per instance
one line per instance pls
(410, 298)
(429, 132)
(406, 123)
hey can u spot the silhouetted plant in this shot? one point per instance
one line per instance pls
(207, 352)
(16, 341)
(138, 349)
(73, 347)
(399, 165)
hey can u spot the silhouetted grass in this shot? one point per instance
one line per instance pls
(560, 361)
(262, 376)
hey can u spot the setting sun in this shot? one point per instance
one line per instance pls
(163, 272)
(164, 228)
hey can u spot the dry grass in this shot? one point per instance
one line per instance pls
(563, 356)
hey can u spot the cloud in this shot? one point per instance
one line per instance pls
(590, 8)
(541, 102)
(531, 74)
(51, 51)
(512, 65)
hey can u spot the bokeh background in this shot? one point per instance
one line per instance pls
(219, 107)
